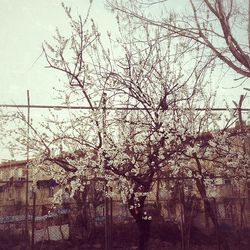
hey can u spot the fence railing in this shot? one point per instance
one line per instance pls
(85, 223)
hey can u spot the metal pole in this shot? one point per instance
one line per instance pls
(111, 222)
(107, 205)
(106, 221)
(108, 201)
(182, 221)
(33, 220)
(27, 168)
(60, 107)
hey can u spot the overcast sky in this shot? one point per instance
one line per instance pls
(24, 25)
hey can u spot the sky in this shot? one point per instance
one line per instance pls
(24, 25)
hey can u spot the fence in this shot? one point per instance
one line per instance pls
(43, 224)
(192, 221)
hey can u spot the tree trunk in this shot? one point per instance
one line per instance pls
(144, 233)
(141, 219)
(200, 183)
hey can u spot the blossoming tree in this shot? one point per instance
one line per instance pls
(143, 118)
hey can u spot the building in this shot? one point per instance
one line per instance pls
(14, 187)
(230, 198)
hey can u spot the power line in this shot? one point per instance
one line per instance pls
(59, 107)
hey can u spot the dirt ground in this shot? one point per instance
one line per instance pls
(153, 245)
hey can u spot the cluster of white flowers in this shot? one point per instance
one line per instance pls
(146, 217)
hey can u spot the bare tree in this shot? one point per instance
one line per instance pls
(220, 26)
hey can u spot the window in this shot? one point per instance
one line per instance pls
(218, 181)
(10, 194)
(51, 191)
(100, 213)
(19, 172)
(221, 181)
(225, 210)
(227, 181)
